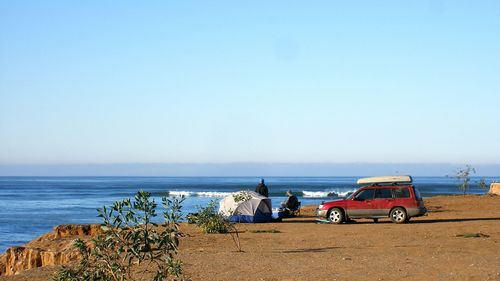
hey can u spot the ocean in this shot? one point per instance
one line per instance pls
(31, 206)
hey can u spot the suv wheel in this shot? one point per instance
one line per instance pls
(336, 216)
(398, 215)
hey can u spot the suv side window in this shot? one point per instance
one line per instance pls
(365, 194)
(383, 193)
(401, 192)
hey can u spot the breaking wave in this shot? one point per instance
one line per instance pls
(199, 193)
(325, 194)
(305, 193)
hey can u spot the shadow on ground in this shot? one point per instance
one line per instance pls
(455, 220)
(387, 221)
(309, 250)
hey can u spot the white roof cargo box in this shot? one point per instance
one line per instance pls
(386, 179)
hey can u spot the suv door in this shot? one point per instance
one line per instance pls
(402, 197)
(361, 204)
(383, 201)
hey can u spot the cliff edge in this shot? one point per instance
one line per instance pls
(53, 248)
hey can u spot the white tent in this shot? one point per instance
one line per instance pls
(246, 206)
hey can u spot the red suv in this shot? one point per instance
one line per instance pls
(393, 197)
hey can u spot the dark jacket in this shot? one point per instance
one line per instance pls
(262, 189)
(292, 202)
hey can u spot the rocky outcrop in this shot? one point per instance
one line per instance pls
(54, 248)
(18, 259)
(68, 230)
(495, 188)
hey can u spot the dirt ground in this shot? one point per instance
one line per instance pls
(426, 248)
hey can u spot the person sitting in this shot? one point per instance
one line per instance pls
(292, 204)
(262, 189)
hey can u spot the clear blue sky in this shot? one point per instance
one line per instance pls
(246, 81)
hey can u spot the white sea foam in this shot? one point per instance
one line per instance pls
(213, 194)
(316, 194)
(220, 194)
(345, 193)
(180, 193)
(199, 194)
(324, 194)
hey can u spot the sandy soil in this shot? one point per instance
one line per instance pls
(427, 248)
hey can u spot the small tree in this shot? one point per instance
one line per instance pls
(130, 237)
(482, 183)
(463, 176)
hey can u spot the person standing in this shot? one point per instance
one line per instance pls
(262, 189)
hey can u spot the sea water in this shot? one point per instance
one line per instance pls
(31, 206)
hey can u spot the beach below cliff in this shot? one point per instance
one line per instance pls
(434, 247)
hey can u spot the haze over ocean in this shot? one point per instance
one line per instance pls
(243, 169)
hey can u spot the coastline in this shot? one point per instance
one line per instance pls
(426, 248)
(74, 200)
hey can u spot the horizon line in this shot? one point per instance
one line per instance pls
(251, 162)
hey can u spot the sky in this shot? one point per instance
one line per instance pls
(99, 82)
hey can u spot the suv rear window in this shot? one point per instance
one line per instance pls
(417, 193)
(402, 192)
(383, 193)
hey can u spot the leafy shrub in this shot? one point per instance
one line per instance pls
(242, 196)
(211, 221)
(130, 237)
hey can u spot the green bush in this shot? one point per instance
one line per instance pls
(210, 221)
(130, 237)
(242, 196)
